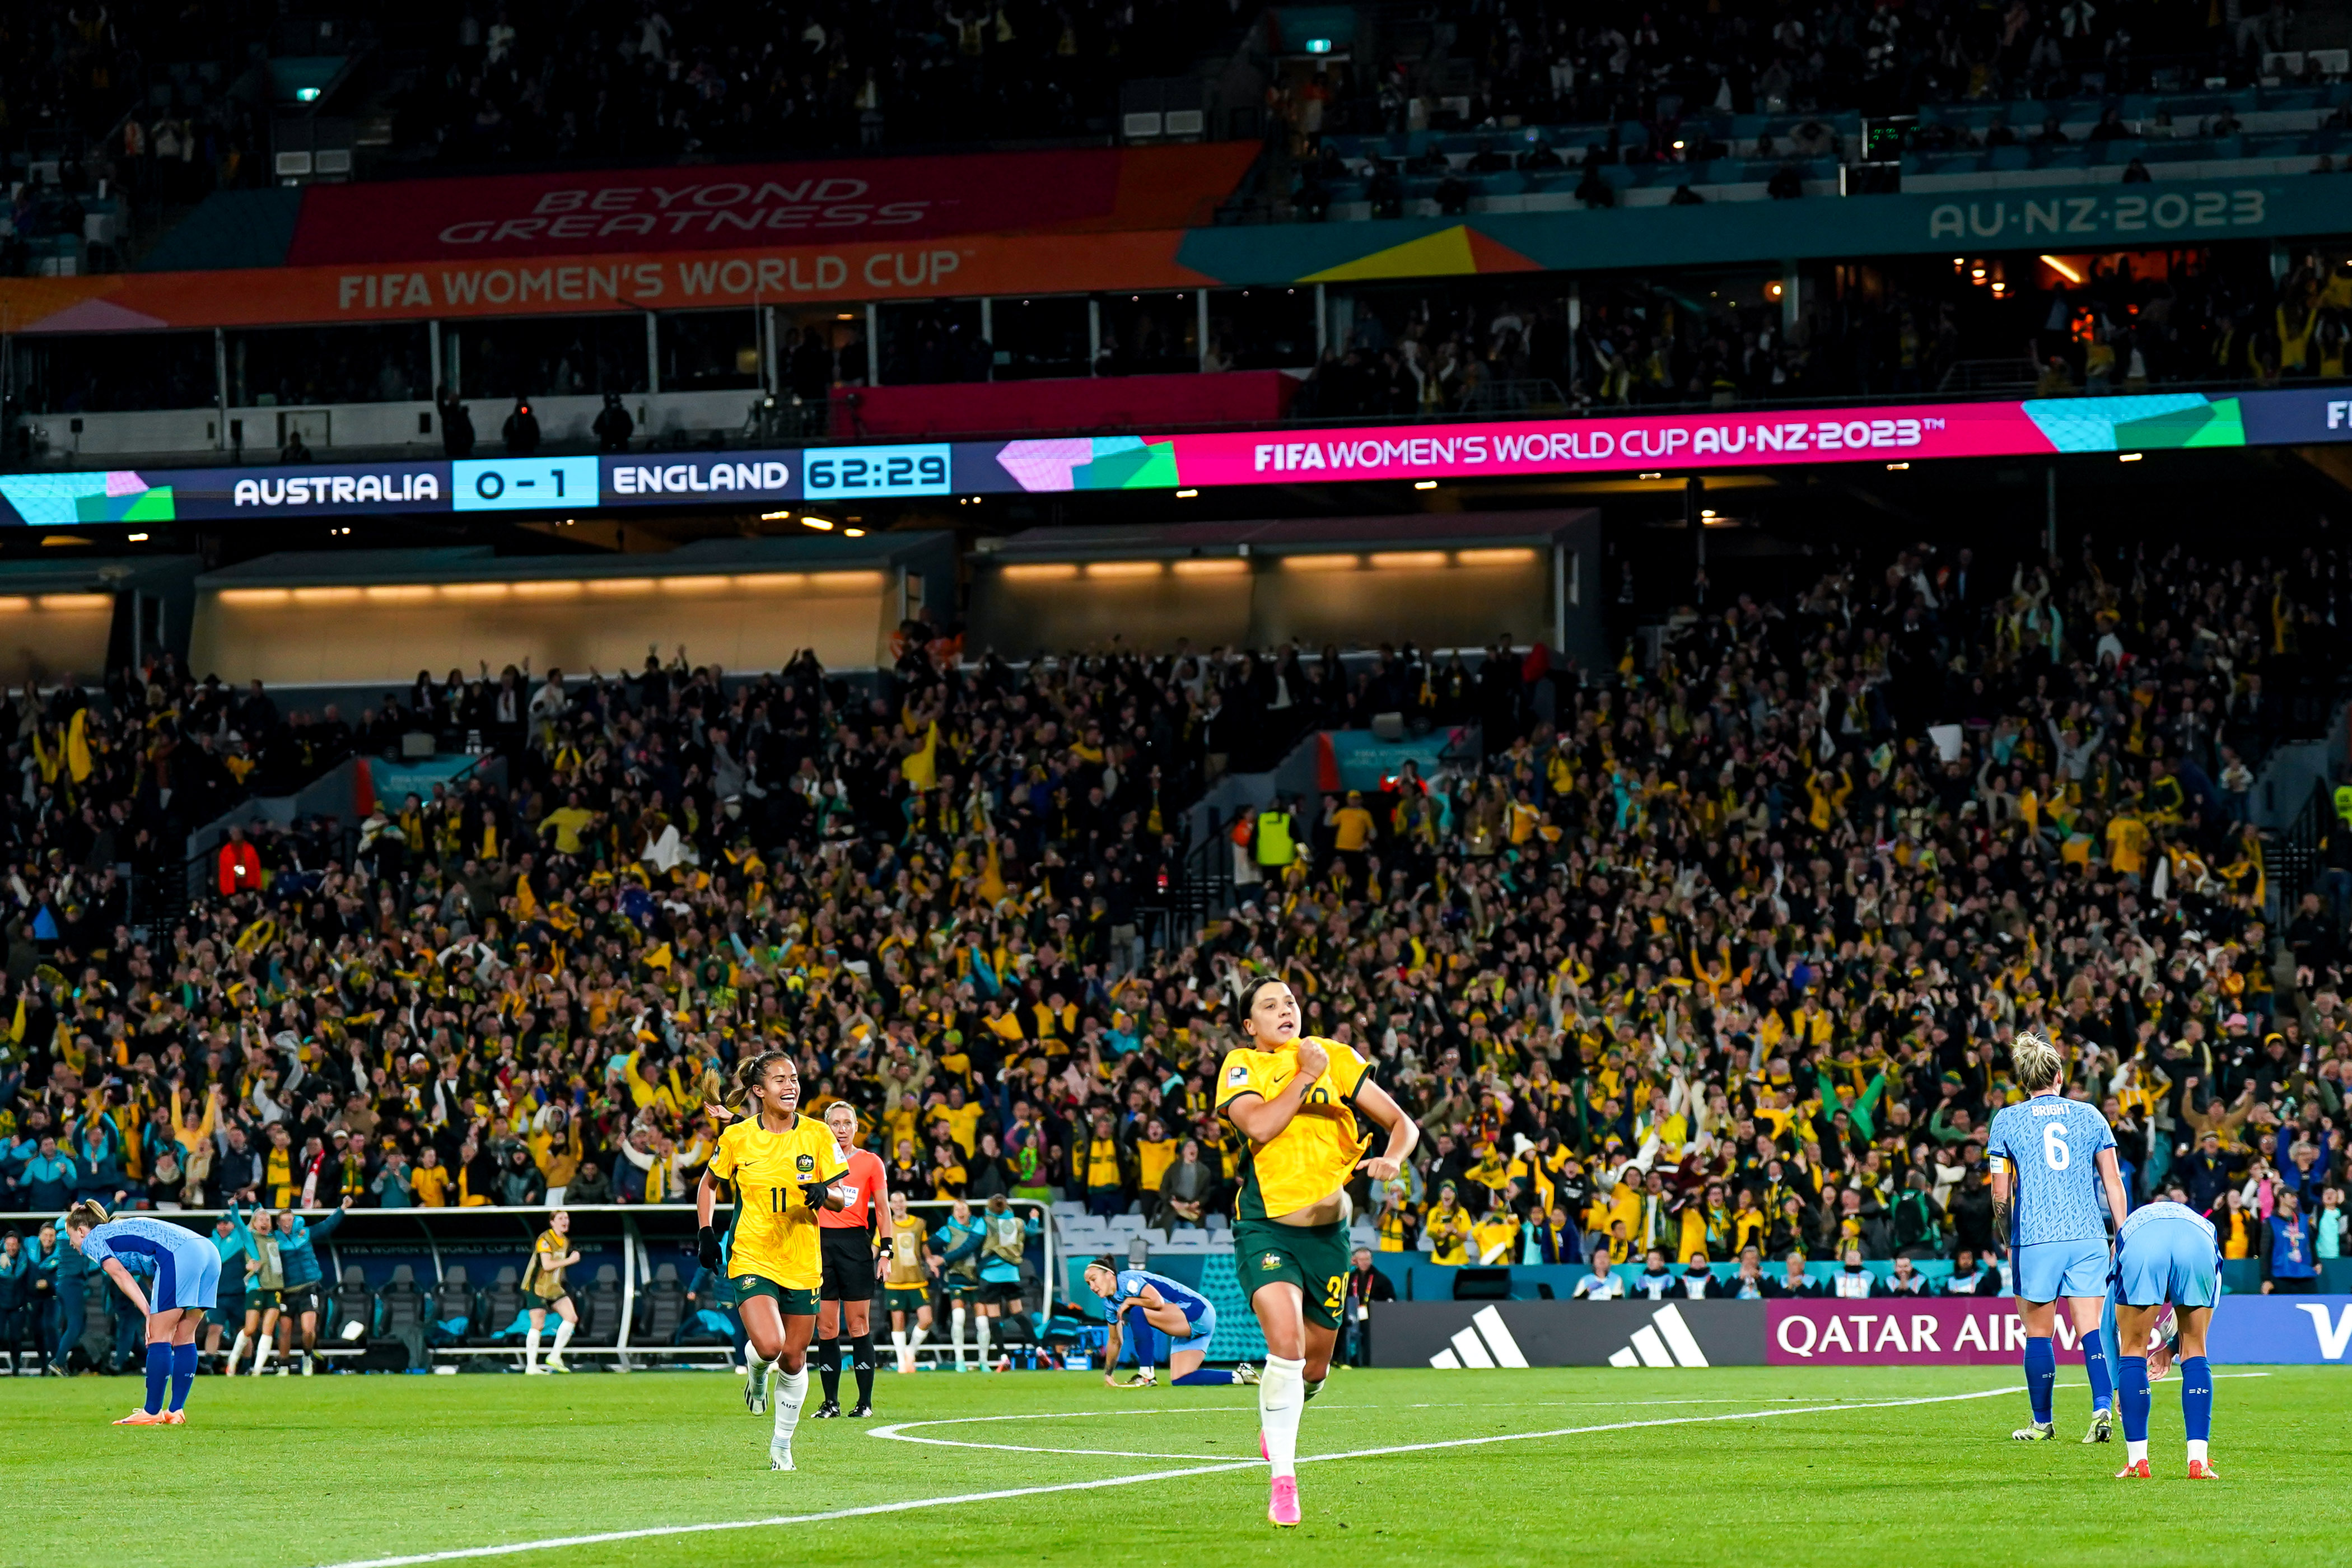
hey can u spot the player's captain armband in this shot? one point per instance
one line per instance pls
(1997, 1164)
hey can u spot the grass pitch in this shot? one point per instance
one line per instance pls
(1729, 1466)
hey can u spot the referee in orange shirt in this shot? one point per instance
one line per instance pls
(848, 1244)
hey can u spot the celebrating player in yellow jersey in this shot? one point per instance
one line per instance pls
(782, 1165)
(1298, 1102)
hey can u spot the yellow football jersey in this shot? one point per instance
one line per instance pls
(775, 1230)
(1314, 1156)
(907, 1269)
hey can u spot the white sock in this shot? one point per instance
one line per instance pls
(306, 1360)
(531, 1351)
(955, 1329)
(564, 1329)
(2134, 1452)
(261, 1356)
(2197, 1449)
(1281, 1395)
(980, 1333)
(914, 1337)
(898, 1349)
(236, 1352)
(791, 1389)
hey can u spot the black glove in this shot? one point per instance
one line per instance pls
(812, 1192)
(707, 1249)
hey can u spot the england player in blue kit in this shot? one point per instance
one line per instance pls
(2053, 1165)
(2166, 1256)
(1152, 1308)
(172, 1275)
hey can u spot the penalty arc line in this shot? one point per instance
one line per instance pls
(910, 1505)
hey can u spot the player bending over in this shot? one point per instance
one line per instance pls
(1299, 1101)
(2053, 1163)
(2166, 1255)
(172, 1276)
(1150, 1308)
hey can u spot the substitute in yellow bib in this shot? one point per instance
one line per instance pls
(907, 1288)
(782, 1166)
(1302, 1104)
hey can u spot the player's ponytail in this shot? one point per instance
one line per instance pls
(86, 1215)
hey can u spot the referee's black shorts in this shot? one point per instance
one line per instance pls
(848, 1264)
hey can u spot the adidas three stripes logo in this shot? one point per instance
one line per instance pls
(1666, 1340)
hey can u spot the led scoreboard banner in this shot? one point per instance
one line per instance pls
(820, 476)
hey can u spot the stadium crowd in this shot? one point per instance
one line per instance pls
(1903, 329)
(1543, 64)
(1714, 955)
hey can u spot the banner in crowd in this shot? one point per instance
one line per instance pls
(596, 212)
(1922, 1330)
(1001, 223)
(1678, 443)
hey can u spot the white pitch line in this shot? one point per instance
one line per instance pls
(902, 1432)
(910, 1504)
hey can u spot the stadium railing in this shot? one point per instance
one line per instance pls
(633, 1239)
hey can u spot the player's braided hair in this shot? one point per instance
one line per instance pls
(748, 1074)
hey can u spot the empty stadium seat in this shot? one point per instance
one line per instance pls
(661, 1307)
(350, 1304)
(453, 1298)
(501, 1304)
(401, 1315)
(600, 1307)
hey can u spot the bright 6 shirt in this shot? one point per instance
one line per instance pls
(2050, 1146)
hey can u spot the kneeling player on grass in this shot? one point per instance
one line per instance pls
(1300, 1103)
(2166, 1255)
(1150, 1308)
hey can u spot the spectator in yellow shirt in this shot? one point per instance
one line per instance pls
(1495, 1239)
(430, 1180)
(1448, 1229)
(1154, 1153)
(1351, 836)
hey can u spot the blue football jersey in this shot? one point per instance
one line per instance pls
(1131, 1281)
(2050, 1146)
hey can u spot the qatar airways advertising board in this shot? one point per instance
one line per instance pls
(1882, 1330)
(1713, 441)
